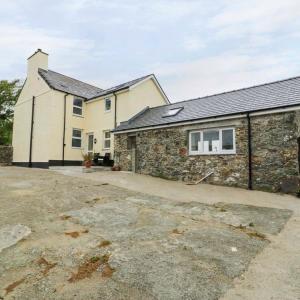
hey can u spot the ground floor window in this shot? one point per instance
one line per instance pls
(106, 139)
(76, 138)
(212, 141)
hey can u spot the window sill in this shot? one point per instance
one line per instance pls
(77, 148)
(80, 116)
(107, 111)
(218, 153)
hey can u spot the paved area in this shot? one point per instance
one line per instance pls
(115, 235)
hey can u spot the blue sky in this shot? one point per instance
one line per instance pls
(195, 48)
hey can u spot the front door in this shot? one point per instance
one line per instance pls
(90, 145)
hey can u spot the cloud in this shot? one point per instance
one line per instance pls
(221, 73)
(193, 44)
(18, 42)
(238, 18)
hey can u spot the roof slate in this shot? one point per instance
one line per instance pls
(261, 97)
(120, 86)
(70, 85)
(76, 87)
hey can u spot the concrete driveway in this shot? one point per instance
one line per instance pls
(116, 235)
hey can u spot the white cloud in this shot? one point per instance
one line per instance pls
(238, 18)
(17, 42)
(193, 44)
(221, 73)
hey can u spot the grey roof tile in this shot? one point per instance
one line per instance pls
(67, 84)
(261, 97)
(120, 86)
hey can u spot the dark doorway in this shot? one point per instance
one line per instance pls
(131, 145)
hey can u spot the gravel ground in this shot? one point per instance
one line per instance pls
(93, 240)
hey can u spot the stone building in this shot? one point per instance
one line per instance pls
(247, 138)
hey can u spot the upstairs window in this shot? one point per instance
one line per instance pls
(76, 138)
(212, 141)
(172, 112)
(77, 106)
(106, 139)
(107, 105)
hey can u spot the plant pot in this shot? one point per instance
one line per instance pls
(116, 168)
(88, 164)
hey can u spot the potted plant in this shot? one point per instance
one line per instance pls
(87, 159)
(116, 168)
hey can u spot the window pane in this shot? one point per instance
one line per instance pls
(211, 141)
(172, 112)
(77, 102)
(77, 110)
(107, 144)
(90, 142)
(76, 133)
(227, 139)
(76, 143)
(107, 135)
(107, 104)
(195, 139)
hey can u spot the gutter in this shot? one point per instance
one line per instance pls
(31, 132)
(64, 130)
(249, 152)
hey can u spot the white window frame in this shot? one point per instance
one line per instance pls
(107, 99)
(76, 106)
(200, 144)
(106, 139)
(77, 138)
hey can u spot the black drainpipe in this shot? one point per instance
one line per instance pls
(249, 153)
(116, 98)
(64, 130)
(31, 132)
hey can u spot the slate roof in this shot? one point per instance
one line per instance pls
(70, 85)
(121, 86)
(261, 97)
(76, 87)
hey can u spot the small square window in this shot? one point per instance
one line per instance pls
(76, 138)
(107, 104)
(227, 139)
(77, 106)
(195, 139)
(106, 139)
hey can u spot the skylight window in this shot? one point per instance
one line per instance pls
(172, 112)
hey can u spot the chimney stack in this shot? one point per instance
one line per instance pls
(38, 59)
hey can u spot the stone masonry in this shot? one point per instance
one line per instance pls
(6, 153)
(164, 153)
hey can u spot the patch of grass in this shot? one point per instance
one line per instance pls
(73, 234)
(65, 217)
(107, 271)
(252, 233)
(48, 265)
(13, 285)
(92, 265)
(104, 243)
(176, 231)
(76, 234)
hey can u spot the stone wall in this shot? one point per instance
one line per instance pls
(6, 153)
(164, 153)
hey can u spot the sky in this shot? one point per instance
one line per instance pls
(195, 48)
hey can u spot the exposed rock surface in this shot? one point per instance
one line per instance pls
(11, 234)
